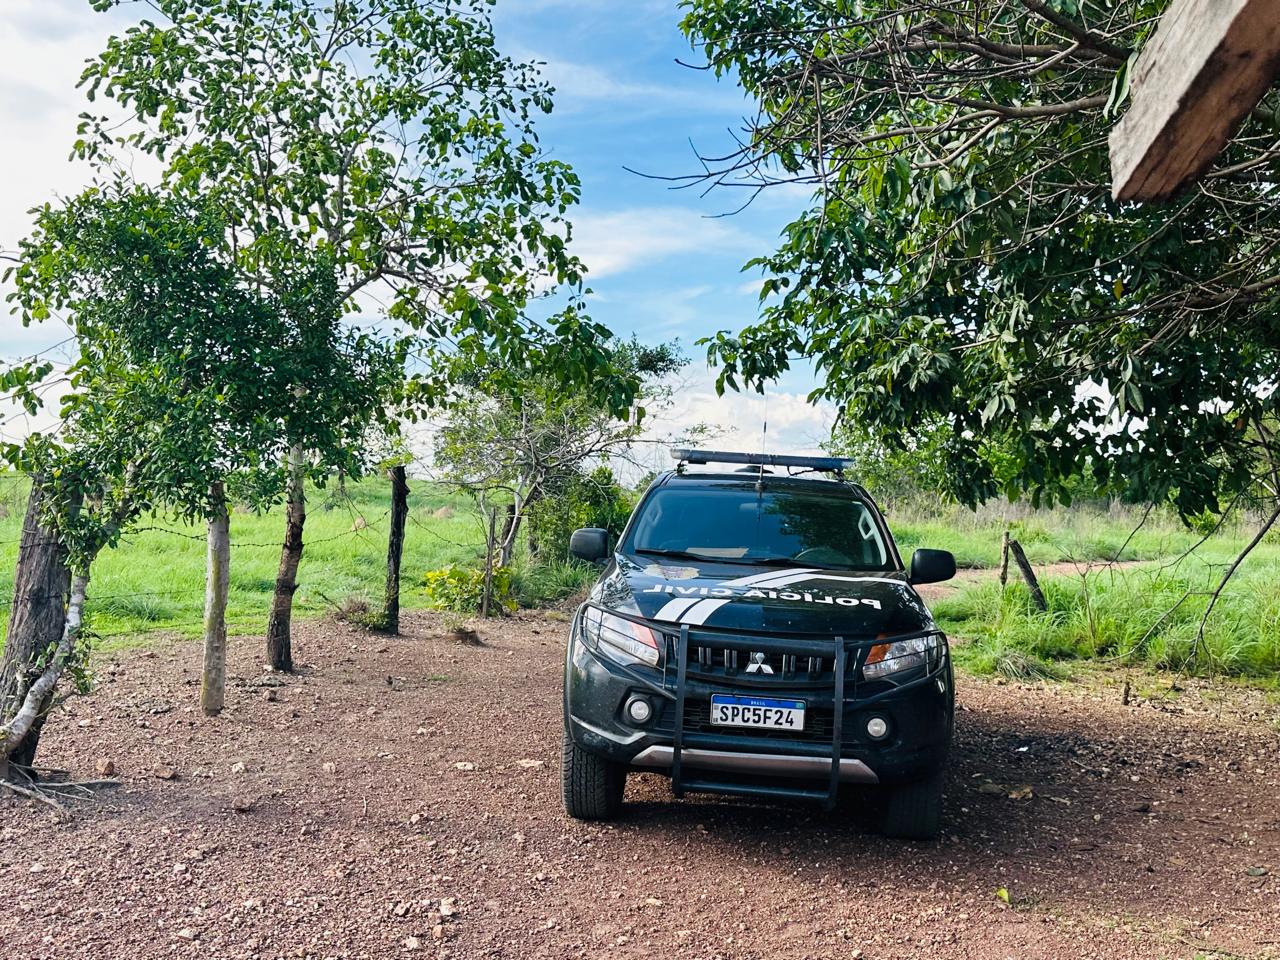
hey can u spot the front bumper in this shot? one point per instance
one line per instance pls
(755, 764)
(835, 748)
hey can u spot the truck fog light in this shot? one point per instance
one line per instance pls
(877, 728)
(639, 710)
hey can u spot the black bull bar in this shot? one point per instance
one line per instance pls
(840, 650)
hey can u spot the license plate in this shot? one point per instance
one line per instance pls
(767, 712)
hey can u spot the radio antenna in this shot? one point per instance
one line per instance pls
(764, 425)
(764, 442)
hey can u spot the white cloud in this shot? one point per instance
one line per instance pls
(577, 83)
(795, 425)
(43, 46)
(611, 243)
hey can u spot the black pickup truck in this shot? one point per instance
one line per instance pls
(754, 632)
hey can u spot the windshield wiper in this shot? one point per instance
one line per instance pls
(785, 562)
(748, 561)
(674, 554)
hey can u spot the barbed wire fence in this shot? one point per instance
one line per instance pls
(368, 531)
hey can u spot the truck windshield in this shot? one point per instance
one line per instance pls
(743, 525)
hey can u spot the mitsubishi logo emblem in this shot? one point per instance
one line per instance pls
(758, 664)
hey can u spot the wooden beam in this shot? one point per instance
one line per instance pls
(1206, 67)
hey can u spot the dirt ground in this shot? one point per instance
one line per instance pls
(400, 797)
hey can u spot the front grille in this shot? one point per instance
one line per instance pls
(817, 724)
(717, 663)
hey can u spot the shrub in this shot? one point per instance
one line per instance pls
(540, 584)
(352, 607)
(461, 589)
(993, 656)
(147, 607)
(581, 500)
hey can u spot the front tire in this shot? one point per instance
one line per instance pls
(914, 810)
(592, 786)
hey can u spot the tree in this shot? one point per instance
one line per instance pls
(35, 625)
(963, 261)
(393, 141)
(172, 390)
(589, 497)
(183, 381)
(344, 393)
(279, 638)
(911, 472)
(511, 443)
(389, 137)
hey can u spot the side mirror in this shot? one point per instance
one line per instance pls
(932, 566)
(590, 544)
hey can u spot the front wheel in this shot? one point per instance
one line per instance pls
(914, 810)
(592, 786)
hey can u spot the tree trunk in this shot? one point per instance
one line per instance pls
(36, 621)
(279, 639)
(217, 582)
(510, 527)
(15, 732)
(516, 512)
(395, 549)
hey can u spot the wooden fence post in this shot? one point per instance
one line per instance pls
(395, 549)
(489, 546)
(1004, 560)
(1029, 575)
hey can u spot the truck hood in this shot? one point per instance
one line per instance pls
(788, 600)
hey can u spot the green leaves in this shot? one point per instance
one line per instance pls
(964, 268)
(1120, 88)
(390, 135)
(185, 374)
(19, 382)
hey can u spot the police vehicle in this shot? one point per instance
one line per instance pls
(754, 631)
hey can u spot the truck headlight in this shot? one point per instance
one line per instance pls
(886, 659)
(623, 639)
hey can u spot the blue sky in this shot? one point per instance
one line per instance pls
(662, 263)
(665, 263)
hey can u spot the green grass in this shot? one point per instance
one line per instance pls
(1145, 614)
(546, 583)
(1050, 536)
(154, 581)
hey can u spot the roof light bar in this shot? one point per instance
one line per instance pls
(830, 464)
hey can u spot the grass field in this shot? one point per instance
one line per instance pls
(1049, 536)
(154, 580)
(1148, 614)
(1146, 611)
